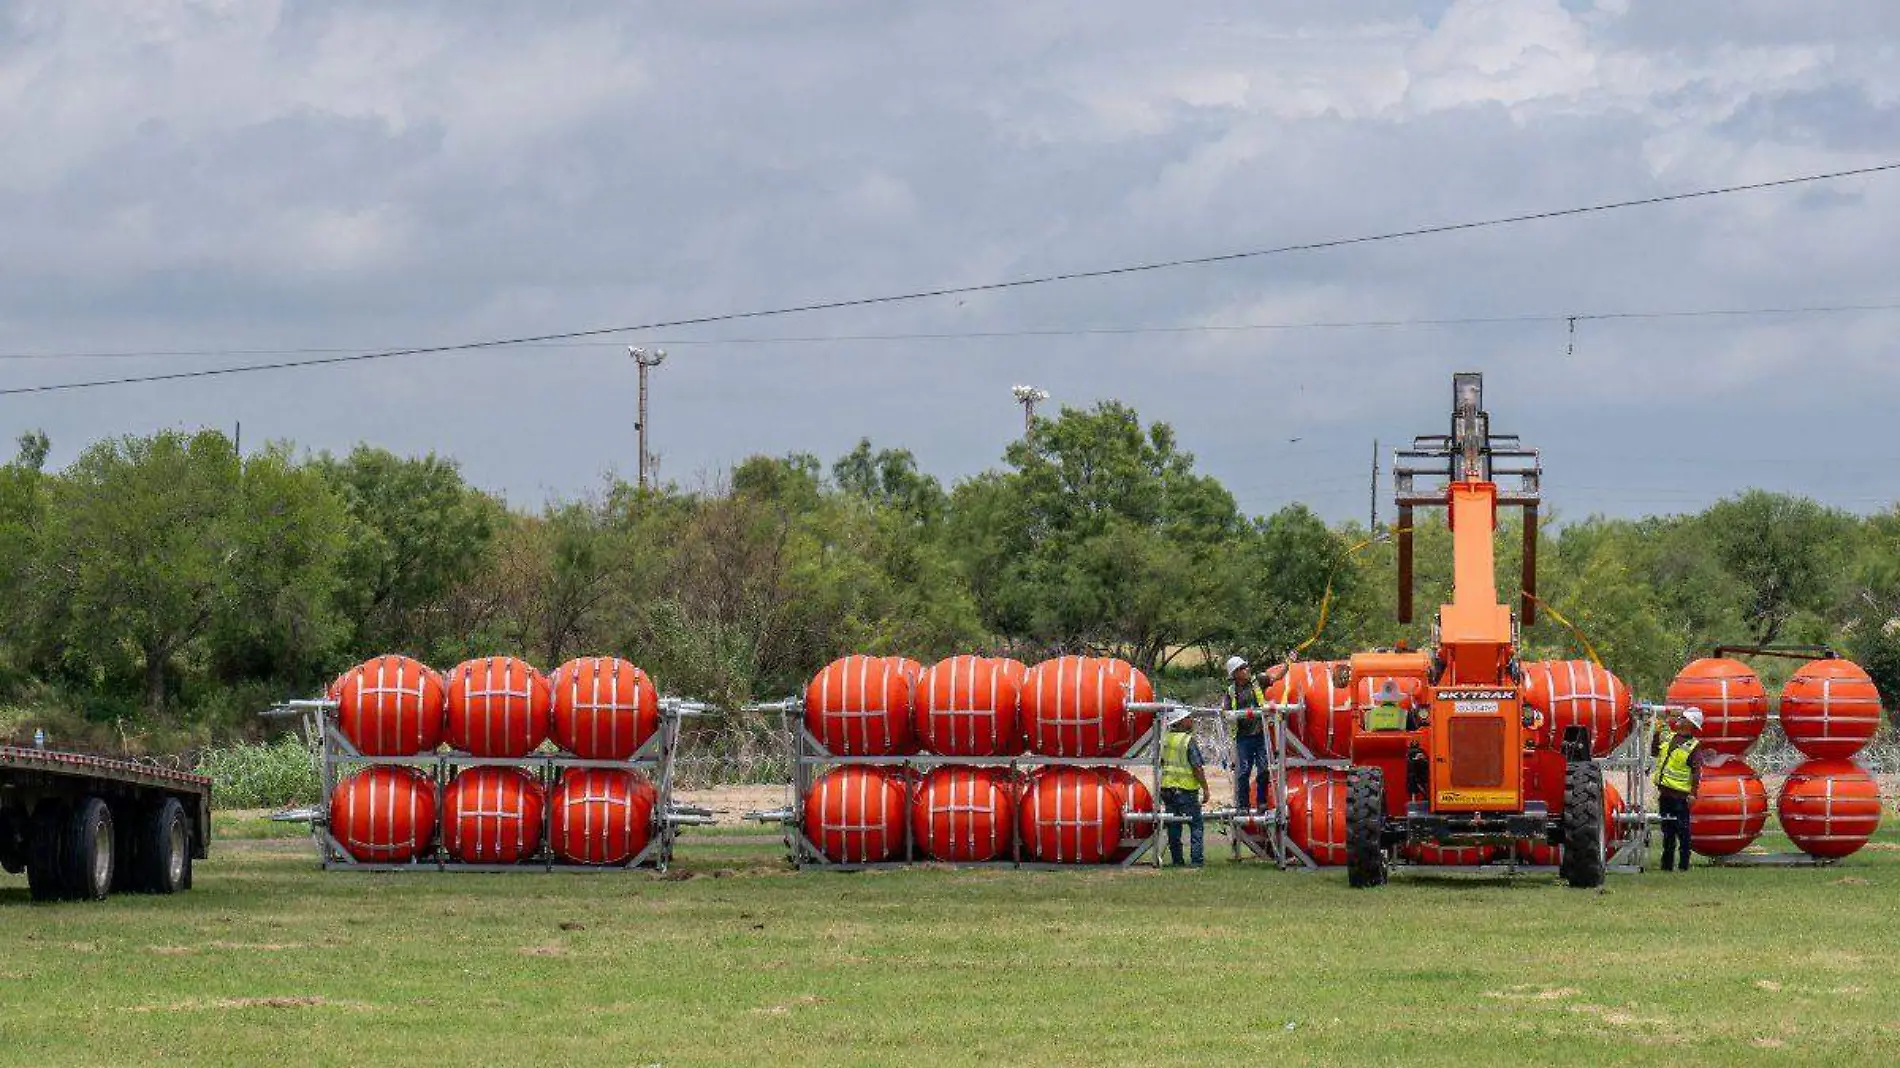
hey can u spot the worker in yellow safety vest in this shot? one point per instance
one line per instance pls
(1246, 702)
(1679, 757)
(1388, 709)
(1183, 785)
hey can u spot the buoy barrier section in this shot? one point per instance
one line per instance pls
(1829, 807)
(498, 707)
(964, 815)
(1578, 693)
(390, 706)
(384, 813)
(1071, 815)
(1730, 807)
(970, 706)
(1316, 813)
(1327, 710)
(1083, 707)
(604, 708)
(1830, 708)
(860, 706)
(1733, 701)
(506, 800)
(601, 816)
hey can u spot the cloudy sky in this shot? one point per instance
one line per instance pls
(242, 174)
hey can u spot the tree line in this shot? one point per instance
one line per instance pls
(164, 584)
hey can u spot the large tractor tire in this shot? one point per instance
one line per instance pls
(88, 855)
(1582, 864)
(1365, 828)
(45, 852)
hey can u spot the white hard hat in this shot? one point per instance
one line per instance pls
(1175, 717)
(1235, 663)
(1693, 715)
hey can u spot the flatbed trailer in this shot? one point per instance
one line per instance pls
(82, 826)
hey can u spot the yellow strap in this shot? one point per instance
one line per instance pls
(1326, 600)
(1575, 630)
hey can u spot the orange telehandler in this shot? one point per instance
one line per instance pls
(1469, 769)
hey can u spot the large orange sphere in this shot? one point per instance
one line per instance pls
(390, 706)
(600, 815)
(855, 815)
(498, 707)
(1730, 807)
(1829, 807)
(1327, 712)
(1578, 693)
(1733, 701)
(963, 815)
(1070, 815)
(1316, 813)
(492, 815)
(860, 706)
(968, 706)
(384, 813)
(1830, 708)
(910, 669)
(1077, 706)
(604, 707)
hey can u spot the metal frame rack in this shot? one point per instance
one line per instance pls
(334, 756)
(807, 757)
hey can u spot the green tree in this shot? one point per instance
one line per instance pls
(1785, 551)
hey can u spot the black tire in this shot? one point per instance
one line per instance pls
(1365, 828)
(1582, 864)
(88, 855)
(13, 838)
(162, 845)
(45, 846)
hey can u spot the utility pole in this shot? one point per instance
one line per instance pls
(647, 359)
(1029, 397)
(1373, 527)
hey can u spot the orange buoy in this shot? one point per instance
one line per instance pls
(604, 707)
(1135, 800)
(1574, 693)
(1316, 813)
(492, 815)
(967, 706)
(384, 813)
(855, 815)
(1730, 806)
(1551, 854)
(963, 815)
(910, 669)
(1830, 708)
(860, 706)
(1733, 701)
(1070, 815)
(390, 706)
(498, 707)
(1830, 808)
(600, 816)
(1325, 721)
(1077, 706)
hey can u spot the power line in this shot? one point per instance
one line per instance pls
(948, 291)
(990, 335)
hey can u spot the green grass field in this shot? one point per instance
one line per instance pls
(733, 959)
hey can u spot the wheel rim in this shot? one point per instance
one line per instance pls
(101, 855)
(175, 852)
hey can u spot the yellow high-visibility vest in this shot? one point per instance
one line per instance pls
(1385, 717)
(1177, 773)
(1673, 771)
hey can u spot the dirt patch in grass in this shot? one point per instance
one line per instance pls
(304, 1001)
(785, 1008)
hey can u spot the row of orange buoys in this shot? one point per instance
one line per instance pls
(1069, 706)
(1829, 805)
(492, 815)
(597, 707)
(1068, 814)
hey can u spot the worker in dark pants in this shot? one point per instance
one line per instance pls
(1678, 756)
(1183, 786)
(1246, 702)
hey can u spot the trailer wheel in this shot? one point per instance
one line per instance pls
(1582, 864)
(162, 842)
(88, 853)
(1365, 828)
(46, 839)
(13, 837)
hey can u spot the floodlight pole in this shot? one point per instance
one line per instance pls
(646, 359)
(1029, 397)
